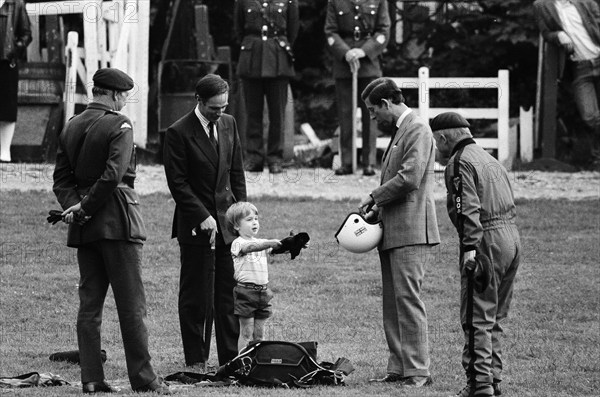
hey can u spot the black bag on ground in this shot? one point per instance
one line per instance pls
(284, 364)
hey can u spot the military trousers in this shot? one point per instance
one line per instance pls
(490, 308)
(343, 90)
(255, 91)
(118, 264)
(404, 315)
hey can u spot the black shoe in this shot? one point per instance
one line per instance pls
(369, 170)
(480, 390)
(275, 168)
(497, 391)
(156, 386)
(388, 378)
(97, 387)
(344, 170)
(417, 381)
(254, 167)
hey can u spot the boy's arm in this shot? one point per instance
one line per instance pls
(258, 245)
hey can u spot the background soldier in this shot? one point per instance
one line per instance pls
(357, 32)
(266, 30)
(93, 182)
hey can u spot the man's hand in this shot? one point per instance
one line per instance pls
(75, 214)
(566, 42)
(468, 260)
(353, 58)
(368, 208)
(210, 226)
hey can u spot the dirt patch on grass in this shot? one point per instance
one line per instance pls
(322, 183)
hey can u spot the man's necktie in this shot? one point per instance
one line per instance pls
(212, 137)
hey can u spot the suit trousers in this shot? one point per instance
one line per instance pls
(117, 263)
(343, 90)
(255, 91)
(404, 316)
(205, 293)
(490, 308)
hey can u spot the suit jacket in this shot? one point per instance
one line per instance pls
(203, 183)
(273, 56)
(549, 23)
(101, 176)
(370, 18)
(405, 197)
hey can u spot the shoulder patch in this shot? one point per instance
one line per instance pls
(380, 39)
(126, 125)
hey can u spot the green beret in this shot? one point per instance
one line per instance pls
(112, 79)
(448, 120)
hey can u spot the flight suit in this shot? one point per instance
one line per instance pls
(351, 24)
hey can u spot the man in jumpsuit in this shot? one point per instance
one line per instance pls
(266, 30)
(93, 182)
(486, 221)
(357, 32)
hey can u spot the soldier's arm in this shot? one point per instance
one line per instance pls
(293, 22)
(375, 45)
(335, 43)
(65, 184)
(119, 155)
(471, 208)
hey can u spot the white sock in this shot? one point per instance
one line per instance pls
(7, 130)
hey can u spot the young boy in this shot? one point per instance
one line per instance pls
(251, 295)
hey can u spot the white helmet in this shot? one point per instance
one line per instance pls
(357, 235)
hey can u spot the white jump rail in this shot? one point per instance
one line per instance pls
(424, 84)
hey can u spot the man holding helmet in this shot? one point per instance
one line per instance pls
(404, 202)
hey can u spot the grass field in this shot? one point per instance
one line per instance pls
(552, 344)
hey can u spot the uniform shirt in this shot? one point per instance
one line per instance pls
(251, 267)
(487, 196)
(573, 26)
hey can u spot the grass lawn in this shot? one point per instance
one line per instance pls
(552, 344)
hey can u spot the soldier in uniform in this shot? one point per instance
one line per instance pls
(266, 30)
(481, 205)
(93, 182)
(357, 33)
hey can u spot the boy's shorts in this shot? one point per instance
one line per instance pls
(252, 302)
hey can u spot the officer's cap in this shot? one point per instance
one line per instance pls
(112, 79)
(448, 120)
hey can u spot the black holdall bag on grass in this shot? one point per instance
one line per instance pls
(284, 364)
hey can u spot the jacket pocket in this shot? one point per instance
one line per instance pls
(137, 229)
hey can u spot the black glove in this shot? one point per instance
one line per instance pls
(54, 216)
(292, 244)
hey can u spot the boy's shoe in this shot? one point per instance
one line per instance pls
(417, 381)
(477, 390)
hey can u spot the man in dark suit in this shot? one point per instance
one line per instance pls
(404, 202)
(204, 168)
(357, 33)
(93, 182)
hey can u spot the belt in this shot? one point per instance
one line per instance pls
(356, 35)
(253, 286)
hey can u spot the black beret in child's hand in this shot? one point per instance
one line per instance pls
(292, 244)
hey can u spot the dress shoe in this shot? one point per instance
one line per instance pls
(369, 170)
(481, 390)
(417, 381)
(497, 391)
(254, 167)
(97, 387)
(275, 168)
(388, 378)
(344, 170)
(156, 386)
